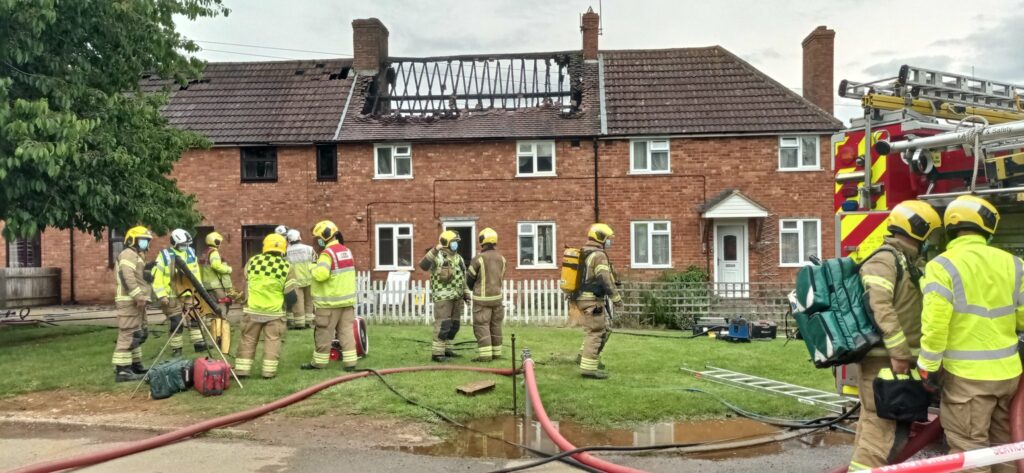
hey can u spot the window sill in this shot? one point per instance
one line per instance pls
(538, 266)
(258, 181)
(634, 172)
(391, 178)
(393, 268)
(539, 174)
(326, 179)
(800, 169)
(794, 265)
(650, 266)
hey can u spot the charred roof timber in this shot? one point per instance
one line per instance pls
(448, 86)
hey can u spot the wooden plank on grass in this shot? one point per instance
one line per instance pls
(474, 388)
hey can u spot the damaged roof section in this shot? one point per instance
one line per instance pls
(260, 102)
(465, 97)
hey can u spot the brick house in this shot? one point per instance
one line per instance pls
(692, 155)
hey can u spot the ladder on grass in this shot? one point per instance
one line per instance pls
(814, 397)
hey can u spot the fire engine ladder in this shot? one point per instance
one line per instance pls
(813, 397)
(940, 94)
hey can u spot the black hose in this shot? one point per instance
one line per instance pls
(446, 418)
(685, 337)
(830, 421)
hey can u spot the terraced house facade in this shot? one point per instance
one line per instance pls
(692, 155)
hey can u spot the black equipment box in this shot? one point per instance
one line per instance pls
(763, 329)
(703, 325)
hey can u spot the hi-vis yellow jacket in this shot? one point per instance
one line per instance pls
(972, 310)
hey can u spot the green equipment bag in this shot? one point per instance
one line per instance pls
(169, 377)
(832, 313)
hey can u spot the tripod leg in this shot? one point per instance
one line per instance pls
(158, 357)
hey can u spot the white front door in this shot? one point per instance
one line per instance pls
(731, 252)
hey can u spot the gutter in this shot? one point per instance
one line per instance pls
(600, 93)
(344, 111)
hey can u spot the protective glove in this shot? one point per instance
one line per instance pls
(932, 380)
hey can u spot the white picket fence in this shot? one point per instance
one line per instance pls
(535, 302)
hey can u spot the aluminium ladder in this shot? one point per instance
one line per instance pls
(814, 397)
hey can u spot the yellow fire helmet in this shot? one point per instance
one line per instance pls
(913, 218)
(136, 233)
(275, 243)
(325, 230)
(600, 232)
(488, 236)
(968, 212)
(447, 237)
(214, 239)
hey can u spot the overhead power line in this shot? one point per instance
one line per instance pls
(248, 54)
(272, 47)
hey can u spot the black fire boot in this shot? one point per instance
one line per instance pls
(138, 368)
(199, 346)
(348, 368)
(176, 353)
(594, 374)
(310, 366)
(451, 354)
(125, 373)
(438, 358)
(579, 358)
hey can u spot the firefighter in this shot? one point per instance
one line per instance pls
(972, 309)
(166, 290)
(270, 286)
(598, 283)
(334, 297)
(890, 277)
(484, 277)
(216, 273)
(302, 258)
(131, 297)
(447, 291)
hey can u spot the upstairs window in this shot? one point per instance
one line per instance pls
(327, 162)
(535, 158)
(799, 239)
(798, 153)
(259, 164)
(649, 157)
(393, 161)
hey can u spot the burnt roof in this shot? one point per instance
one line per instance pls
(260, 102)
(700, 91)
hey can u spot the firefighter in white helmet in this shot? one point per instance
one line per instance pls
(166, 285)
(447, 291)
(302, 258)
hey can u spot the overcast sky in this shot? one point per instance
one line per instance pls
(873, 37)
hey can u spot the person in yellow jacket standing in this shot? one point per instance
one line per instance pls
(598, 284)
(891, 277)
(973, 307)
(271, 289)
(216, 273)
(131, 297)
(484, 277)
(302, 258)
(165, 287)
(334, 297)
(448, 293)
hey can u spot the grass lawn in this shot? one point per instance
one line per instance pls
(645, 383)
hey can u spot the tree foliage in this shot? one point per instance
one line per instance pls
(80, 145)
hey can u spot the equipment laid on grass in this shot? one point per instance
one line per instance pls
(703, 325)
(170, 377)
(829, 401)
(763, 330)
(211, 377)
(738, 331)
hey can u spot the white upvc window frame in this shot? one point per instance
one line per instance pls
(532, 153)
(534, 233)
(797, 142)
(652, 145)
(394, 246)
(395, 156)
(799, 231)
(651, 232)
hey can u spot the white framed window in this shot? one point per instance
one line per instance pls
(798, 239)
(652, 244)
(536, 245)
(535, 158)
(393, 161)
(466, 229)
(393, 247)
(799, 153)
(649, 157)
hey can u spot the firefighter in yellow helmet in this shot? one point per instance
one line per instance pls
(270, 285)
(334, 298)
(484, 277)
(973, 307)
(447, 291)
(216, 273)
(131, 297)
(167, 283)
(598, 284)
(891, 278)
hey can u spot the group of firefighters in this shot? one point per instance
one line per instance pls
(289, 285)
(955, 323)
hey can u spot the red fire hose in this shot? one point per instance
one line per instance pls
(556, 437)
(230, 419)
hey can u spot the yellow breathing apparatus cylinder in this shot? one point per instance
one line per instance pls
(570, 280)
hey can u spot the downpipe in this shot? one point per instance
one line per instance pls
(230, 419)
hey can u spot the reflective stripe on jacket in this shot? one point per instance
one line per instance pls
(164, 283)
(972, 310)
(334, 278)
(895, 304)
(487, 272)
(216, 273)
(302, 258)
(128, 275)
(268, 278)
(598, 273)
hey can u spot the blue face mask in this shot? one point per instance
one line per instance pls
(320, 241)
(455, 246)
(608, 243)
(143, 245)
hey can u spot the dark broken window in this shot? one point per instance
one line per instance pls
(259, 164)
(327, 162)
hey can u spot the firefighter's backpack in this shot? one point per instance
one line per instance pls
(169, 377)
(831, 310)
(572, 271)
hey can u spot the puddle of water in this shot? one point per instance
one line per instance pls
(466, 444)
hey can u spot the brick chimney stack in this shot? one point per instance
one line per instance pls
(590, 27)
(370, 45)
(819, 51)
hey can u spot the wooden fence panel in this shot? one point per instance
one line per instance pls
(29, 287)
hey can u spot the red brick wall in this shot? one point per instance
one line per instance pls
(819, 52)
(701, 169)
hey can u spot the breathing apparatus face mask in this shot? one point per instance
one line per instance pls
(144, 244)
(321, 242)
(455, 246)
(608, 243)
